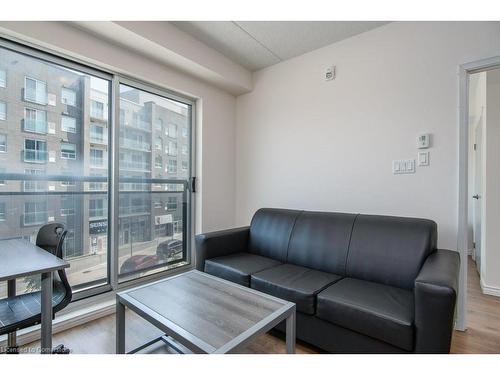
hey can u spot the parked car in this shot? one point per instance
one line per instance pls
(168, 249)
(139, 262)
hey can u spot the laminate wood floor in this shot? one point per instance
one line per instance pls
(98, 336)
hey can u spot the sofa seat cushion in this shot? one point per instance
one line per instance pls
(293, 283)
(380, 311)
(238, 267)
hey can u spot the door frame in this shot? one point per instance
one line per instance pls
(464, 71)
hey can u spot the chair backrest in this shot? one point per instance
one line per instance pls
(51, 237)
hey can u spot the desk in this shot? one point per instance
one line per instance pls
(20, 258)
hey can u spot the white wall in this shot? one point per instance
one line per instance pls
(216, 109)
(305, 143)
(490, 262)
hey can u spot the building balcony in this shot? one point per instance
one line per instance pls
(135, 166)
(35, 156)
(98, 140)
(135, 210)
(35, 126)
(137, 124)
(135, 145)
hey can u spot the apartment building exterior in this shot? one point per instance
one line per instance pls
(55, 122)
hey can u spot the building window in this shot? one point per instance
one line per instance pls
(35, 213)
(34, 185)
(3, 110)
(2, 211)
(35, 91)
(3, 143)
(97, 209)
(97, 109)
(68, 124)
(172, 148)
(68, 96)
(68, 151)
(159, 125)
(3, 78)
(97, 134)
(158, 204)
(96, 157)
(184, 165)
(67, 206)
(35, 121)
(184, 149)
(171, 131)
(158, 161)
(172, 203)
(158, 143)
(172, 166)
(35, 151)
(184, 132)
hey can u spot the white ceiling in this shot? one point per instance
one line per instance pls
(258, 44)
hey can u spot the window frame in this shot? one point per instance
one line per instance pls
(4, 117)
(4, 148)
(67, 130)
(65, 155)
(37, 81)
(67, 89)
(115, 78)
(3, 82)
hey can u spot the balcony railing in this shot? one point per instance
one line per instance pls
(95, 138)
(35, 156)
(35, 126)
(136, 145)
(133, 165)
(136, 124)
(129, 210)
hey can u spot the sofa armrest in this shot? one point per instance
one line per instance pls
(436, 288)
(216, 244)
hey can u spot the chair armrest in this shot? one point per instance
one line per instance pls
(436, 288)
(216, 244)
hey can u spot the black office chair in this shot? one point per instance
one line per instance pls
(22, 311)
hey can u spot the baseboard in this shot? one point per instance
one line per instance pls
(66, 322)
(490, 290)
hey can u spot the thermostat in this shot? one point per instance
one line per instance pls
(423, 141)
(330, 73)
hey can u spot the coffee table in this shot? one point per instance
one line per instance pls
(201, 313)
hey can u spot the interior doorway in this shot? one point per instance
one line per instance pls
(479, 180)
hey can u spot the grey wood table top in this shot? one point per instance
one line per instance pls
(210, 309)
(19, 258)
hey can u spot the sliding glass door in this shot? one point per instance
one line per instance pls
(76, 143)
(154, 163)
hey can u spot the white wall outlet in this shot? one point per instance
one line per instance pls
(423, 141)
(423, 158)
(404, 166)
(330, 73)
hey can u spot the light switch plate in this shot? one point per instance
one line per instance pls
(403, 166)
(423, 159)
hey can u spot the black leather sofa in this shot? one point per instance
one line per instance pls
(361, 283)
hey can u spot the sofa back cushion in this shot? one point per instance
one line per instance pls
(270, 232)
(390, 250)
(320, 240)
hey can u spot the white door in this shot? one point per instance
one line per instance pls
(477, 193)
